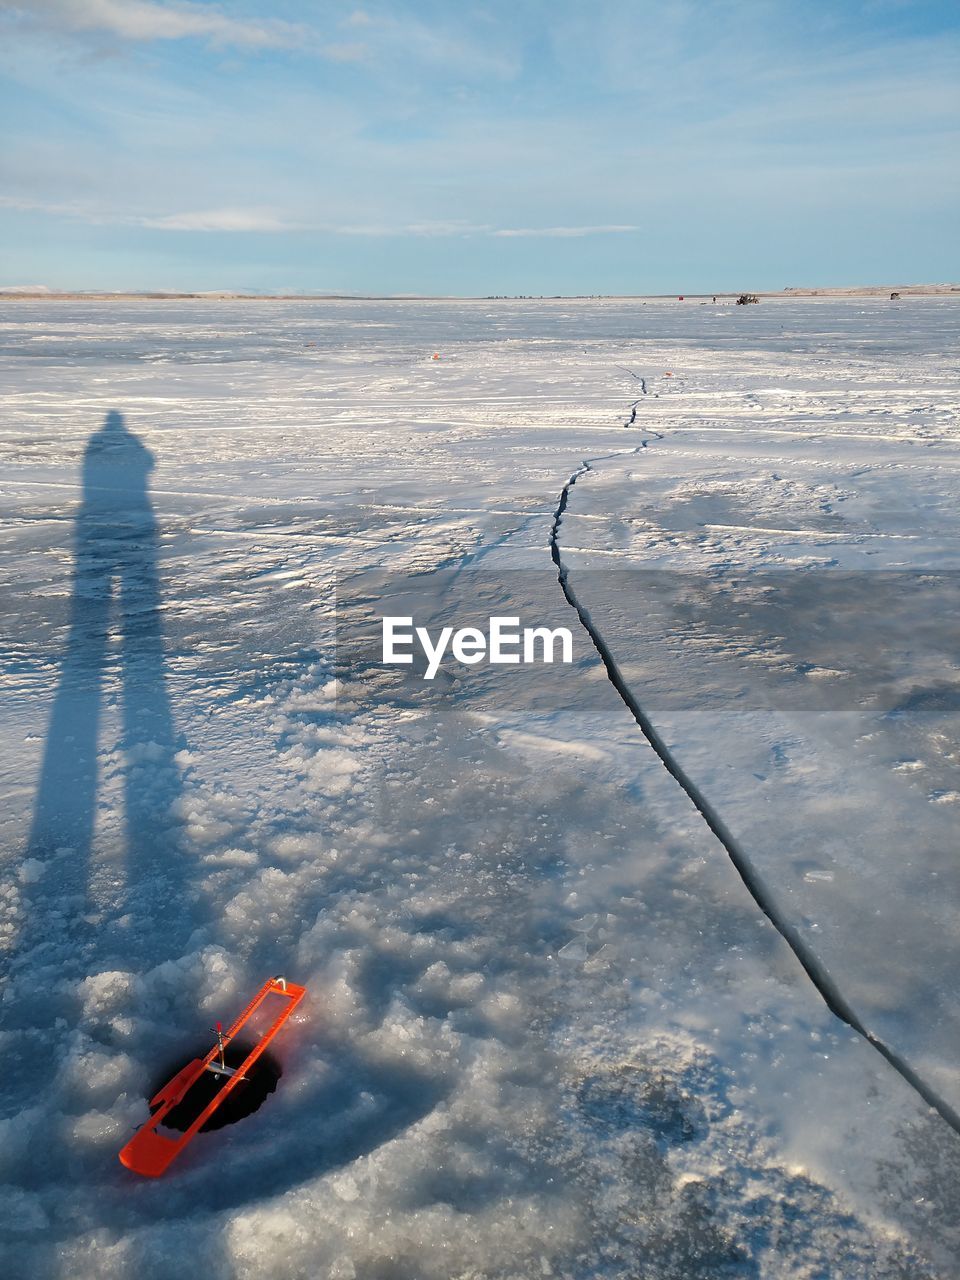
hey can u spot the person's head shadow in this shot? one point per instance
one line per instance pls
(105, 824)
(116, 469)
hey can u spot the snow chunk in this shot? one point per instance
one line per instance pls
(104, 994)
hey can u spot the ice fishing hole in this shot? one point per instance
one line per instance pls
(242, 1101)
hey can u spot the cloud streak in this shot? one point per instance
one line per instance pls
(565, 233)
(144, 20)
(215, 220)
(267, 221)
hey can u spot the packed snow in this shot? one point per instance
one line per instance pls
(551, 1030)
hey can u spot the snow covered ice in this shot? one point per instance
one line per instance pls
(550, 1031)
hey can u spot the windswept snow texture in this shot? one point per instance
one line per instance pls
(549, 1031)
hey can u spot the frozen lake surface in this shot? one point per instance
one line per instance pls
(588, 998)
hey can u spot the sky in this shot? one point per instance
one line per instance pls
(503, 147)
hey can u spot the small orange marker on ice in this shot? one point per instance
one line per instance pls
(150, 1152)
(436, 355)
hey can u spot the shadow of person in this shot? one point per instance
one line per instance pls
(114, 629)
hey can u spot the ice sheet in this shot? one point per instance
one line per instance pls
(549, 1031)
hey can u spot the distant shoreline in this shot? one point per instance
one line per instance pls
(27, 294)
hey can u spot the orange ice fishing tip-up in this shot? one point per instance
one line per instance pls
(151, 1153)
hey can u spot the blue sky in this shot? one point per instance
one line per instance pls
(535, 146)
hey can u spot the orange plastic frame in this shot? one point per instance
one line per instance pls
(151, 1153)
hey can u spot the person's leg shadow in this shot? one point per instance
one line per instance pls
(127, 909)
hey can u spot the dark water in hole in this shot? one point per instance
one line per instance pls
(243, 1100)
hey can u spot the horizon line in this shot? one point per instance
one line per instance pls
(33, 292)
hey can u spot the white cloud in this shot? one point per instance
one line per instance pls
(147, 20)
(397, 40)
(450, 228)
(565, 232)
(217, 220)
(230, 219)
(253, 219)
